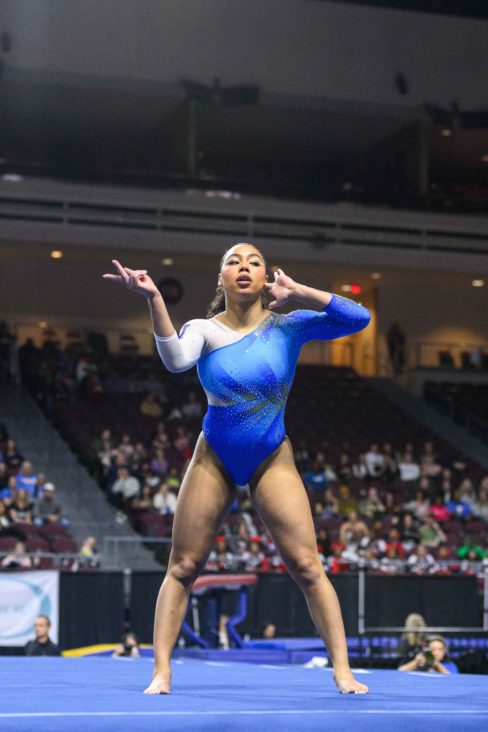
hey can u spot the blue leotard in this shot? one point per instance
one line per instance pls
(250, 380)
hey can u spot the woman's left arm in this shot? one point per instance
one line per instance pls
(338, 315)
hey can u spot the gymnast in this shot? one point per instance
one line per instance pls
(246, 355)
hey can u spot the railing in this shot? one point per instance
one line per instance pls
(331, 225)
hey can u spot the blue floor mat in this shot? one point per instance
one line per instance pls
(91, 694)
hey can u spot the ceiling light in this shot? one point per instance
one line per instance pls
(478, 283)
(376, 275)
(56, 254)
(167, 261)
(446, 132)
(42, 324)
(346, 288)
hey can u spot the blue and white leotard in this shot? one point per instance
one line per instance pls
(247, 378)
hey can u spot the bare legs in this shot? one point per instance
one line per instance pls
(280, 499)
(205, 498)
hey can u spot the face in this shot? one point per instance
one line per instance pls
(243, 272)
(41, 627)
(438, 649)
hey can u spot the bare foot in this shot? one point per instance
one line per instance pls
(347, 684)
(160, 684)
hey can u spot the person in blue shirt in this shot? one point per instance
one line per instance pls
(246, 354)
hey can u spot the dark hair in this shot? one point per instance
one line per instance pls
(217, 305)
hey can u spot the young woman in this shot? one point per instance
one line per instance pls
(246, 356)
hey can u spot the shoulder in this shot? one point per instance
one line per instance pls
(197, 326)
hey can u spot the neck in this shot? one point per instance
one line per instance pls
(243, 315)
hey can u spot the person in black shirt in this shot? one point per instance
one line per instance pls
(42, 645)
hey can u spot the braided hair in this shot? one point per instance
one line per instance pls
(217, 305)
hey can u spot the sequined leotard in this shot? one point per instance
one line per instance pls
(248, 378)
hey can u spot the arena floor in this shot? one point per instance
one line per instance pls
(91, 694)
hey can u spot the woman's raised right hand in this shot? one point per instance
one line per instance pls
(136, 280)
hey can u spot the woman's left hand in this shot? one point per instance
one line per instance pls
(282, 289)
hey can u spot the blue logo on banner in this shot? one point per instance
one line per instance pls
(42, 598)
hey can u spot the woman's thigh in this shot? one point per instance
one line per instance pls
(204, 499)
(279, 496)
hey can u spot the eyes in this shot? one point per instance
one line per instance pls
(255, 262)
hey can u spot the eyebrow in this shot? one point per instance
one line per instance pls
(254, 254)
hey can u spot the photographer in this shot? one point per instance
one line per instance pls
(128, 647)
(433, 659)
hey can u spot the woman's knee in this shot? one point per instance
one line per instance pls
(185, 569)
(306, 569)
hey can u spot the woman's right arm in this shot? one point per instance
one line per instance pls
(177, 354)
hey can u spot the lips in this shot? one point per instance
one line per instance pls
(243, 278)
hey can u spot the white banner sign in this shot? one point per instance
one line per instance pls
(24, 596)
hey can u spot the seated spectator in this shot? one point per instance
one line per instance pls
(375, 462)
(371, 506)
(409, 469)
(150, 407)
(346, 502)
(88, 555)
(394, 542)
(3, 475)
(467, 493)
(480, 506)
(192, 408)
(5, 521)
(160, 437)
(173, 479)
(438, 510)
(390, 472)
(419, 506)
(359, 468)
(140, 453)
(315, 479)
(458, 508)
(252, 559)
(143, 502)
(469, 547)
(410, 534)
(393, 510)
(20, 510)
(126, 448)
(431, 534)
(377, 542)
(354, 532)
(421, 562)
(12, 457)
(26, 478)
(103, 448)
(182, 439)
(47, 509)
(8, 493)
(42, 645)
(18, 558)
(433, 659)
(391, 562)
(413, 639)
(128, 647)
(159, 464)
(221, 559)
(164, 500)
(125, 488)
(323, 542)
(344, 471)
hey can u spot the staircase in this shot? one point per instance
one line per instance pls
(81, 499)
(431, 418)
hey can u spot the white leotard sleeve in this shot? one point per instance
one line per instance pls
(180, 353)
